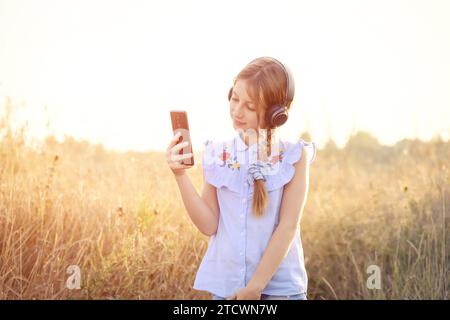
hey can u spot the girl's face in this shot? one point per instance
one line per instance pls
(242, 109)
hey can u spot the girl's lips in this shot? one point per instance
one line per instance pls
(239, 122)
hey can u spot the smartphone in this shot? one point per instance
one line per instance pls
(180, 124)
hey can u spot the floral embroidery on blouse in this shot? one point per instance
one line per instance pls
(232, 163)
(277, 157)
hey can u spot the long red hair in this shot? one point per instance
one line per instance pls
(266, 86)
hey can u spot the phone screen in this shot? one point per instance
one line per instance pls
(180, 124)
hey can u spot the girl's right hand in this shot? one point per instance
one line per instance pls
(174, 159)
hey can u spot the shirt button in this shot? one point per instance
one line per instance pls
(242, 215)
(242, 233)
(241, 253)
(244, 200)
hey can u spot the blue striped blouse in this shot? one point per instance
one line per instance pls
(235, 250)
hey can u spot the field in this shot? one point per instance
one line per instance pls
(119, 217)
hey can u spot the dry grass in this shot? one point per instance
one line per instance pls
(119, 217)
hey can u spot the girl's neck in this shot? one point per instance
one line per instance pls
(250, 136)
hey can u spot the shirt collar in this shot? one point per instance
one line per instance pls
(240, 144)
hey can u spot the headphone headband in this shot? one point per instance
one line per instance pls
(277, 115)
(290, 84)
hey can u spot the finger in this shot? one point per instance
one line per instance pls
(233, 297)
(179, 146)
(180, 166)
(175, 159)
(179, 157)
(174, 140)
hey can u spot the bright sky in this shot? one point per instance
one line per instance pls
(110, 71)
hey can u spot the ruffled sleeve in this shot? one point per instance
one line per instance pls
(215, 171)
(292, 153)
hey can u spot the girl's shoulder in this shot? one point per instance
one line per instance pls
(221, 166)
(216, 151)
(281, 166)
(294, 150)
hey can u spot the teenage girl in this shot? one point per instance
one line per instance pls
(255, 189)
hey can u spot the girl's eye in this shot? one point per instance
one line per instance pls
(248, 107)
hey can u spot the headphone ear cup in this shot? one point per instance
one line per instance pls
(230, 93)
(277, 116)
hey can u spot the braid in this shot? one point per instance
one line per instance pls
(260, 195)
(269, 142)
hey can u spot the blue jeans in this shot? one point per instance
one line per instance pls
(300, 296)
